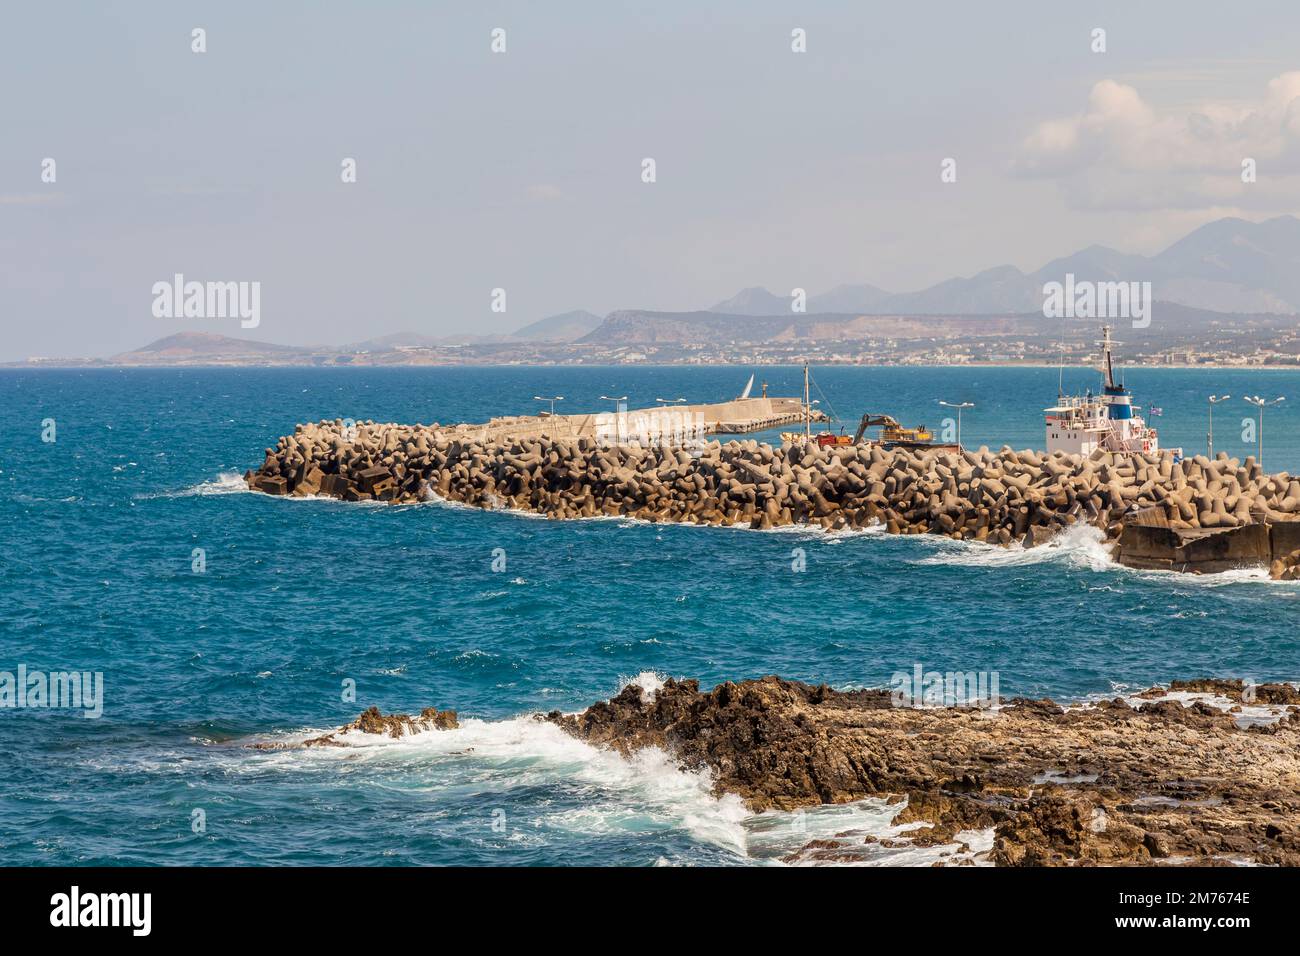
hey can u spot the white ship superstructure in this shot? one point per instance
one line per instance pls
(1079, 425)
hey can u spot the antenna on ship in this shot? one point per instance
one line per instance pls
(1060, 372)
(1107, 366)
(807, 406)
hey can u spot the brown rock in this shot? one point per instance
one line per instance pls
(372, 721)
(1131, 786)
(273, 485)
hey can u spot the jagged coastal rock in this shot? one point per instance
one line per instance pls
(1160, 782)
(1198, 514)
(1204, 772)
(372, 721)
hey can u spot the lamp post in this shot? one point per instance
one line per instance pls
(1214, 400)
(1261, 404)
(620, 421)
(959, 406)
(549, 398)
(670, 401)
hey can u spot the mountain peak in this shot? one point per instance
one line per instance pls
(197, 344)
(565, 327)
(753, 301)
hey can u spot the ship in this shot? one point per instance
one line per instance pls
(1082, 424)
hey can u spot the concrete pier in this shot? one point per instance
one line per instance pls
(738, 416)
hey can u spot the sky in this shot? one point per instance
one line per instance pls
(522, 170)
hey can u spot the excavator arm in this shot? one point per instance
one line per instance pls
(874, 421)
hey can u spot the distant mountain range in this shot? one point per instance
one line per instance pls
(845, 298)
(1229, 265)
(636, 327)
(633, 327)
(565, 327)
(1229, 274)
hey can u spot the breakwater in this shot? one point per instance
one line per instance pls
(1196, 514)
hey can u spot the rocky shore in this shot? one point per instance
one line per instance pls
(1152, 780)
(1203, 773)
(1200, 514)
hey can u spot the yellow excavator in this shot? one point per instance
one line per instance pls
(894, 435)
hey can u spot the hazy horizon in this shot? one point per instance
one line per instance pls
(522, 170)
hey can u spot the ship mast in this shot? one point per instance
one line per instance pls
(807, 406)
(1107, 367)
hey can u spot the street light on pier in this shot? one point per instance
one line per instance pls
(620, 414)
(1261, 404)
(1209, 438)
(549, 398)
(959, 406)
(671, 401)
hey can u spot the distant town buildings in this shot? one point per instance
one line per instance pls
(1248, 344)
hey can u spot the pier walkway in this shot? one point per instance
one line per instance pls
(739, 416)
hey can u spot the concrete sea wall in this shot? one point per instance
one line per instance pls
(1197, 515)
(733, 417)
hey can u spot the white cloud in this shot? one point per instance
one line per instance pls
(1122, 153)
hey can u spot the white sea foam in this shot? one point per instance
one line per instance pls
(226, 483)
(1248, 715)
(1079, 545)
(624, 794)
(650, 682)
(1216, 580)
(232, 483)
(619, 795)
(776, 835)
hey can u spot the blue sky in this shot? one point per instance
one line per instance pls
(522, 170)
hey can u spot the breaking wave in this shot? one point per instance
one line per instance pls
(1080, 545)
(226, 483)
(615, 795)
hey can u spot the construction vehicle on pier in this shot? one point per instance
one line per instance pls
(894, 435)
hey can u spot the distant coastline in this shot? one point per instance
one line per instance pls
(91, 365)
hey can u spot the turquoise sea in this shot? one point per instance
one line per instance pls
(297, 598)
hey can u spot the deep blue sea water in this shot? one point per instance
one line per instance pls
(98, 528)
